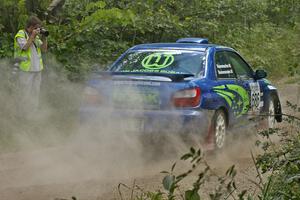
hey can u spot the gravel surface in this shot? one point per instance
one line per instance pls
(91, 167)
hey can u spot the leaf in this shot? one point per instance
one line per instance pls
(173, 166)
(199, 152)
(242, 194)
(257, 143)
(186, 156)
(192, 150)
(181, 176)
(230, 170)
(97, 5)
(191, 195)
(234, 185)
(157, 196)
(198, 160)
(229, 186)
(168, 182)
(291, 179)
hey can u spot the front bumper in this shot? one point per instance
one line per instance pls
(149, 121)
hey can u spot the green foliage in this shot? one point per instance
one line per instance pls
(89, 32)
(225, 186)
(92, 32)
(14, 14)
(266, 32)
(282, 162)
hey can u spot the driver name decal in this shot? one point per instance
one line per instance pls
(224, 69)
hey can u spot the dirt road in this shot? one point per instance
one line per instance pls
(91, 167)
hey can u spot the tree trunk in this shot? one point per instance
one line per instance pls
(55, 5)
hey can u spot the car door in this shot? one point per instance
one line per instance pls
(245, 78)
(225, 86)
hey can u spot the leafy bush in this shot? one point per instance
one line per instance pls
(225, 186)
(281, 162)
(84, 33)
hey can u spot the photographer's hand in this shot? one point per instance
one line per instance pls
(30, 40)
(35, 32)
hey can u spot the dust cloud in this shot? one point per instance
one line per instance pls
(55, 156)
(54, 150)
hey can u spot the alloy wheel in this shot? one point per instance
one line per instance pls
(271, 117)
(220, 130)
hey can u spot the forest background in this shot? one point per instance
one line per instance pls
(89, 33)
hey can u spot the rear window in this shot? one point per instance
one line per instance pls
(166, 61)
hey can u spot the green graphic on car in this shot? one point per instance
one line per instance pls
(236, 97)
(157, 61)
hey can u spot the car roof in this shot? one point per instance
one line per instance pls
(185, 46)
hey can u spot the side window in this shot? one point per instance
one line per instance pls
(240, 67)
(223, 66)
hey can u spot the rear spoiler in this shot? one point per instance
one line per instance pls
(173, 77)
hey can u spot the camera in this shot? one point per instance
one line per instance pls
(44, 32)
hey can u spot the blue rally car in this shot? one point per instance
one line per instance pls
(189, 86)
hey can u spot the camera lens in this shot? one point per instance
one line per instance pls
(44, 32)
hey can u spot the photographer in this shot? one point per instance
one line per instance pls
(28, 45)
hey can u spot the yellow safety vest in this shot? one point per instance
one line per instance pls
(25, 55)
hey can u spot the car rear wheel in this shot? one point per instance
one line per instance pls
(217, 131)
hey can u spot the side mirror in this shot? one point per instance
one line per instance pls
(259, 74)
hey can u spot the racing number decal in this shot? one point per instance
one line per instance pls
(157, 61)
(255, 94)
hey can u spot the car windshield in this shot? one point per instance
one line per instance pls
(162, 61)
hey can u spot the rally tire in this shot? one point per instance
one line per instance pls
(218, 129)
(270, 111)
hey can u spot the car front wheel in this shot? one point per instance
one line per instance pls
(271, 114)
